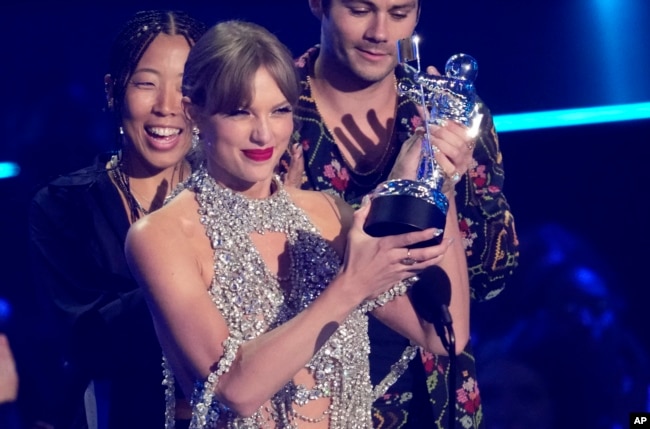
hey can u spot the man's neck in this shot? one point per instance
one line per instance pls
(346, 92)
(360, 115)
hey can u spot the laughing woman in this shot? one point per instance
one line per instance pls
(79, 221)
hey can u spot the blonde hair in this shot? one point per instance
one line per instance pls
(220, 69)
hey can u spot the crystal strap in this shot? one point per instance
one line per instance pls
(399, 367)
(204, 392)
(398, 289)
(170, 395)
(396, 371)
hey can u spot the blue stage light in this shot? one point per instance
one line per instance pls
(9, 169)
(5, 313)
(571, 117)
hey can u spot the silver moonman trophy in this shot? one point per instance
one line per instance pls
(402, 205)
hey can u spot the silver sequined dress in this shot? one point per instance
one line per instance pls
(251, 300)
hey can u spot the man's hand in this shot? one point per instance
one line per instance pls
(296, 170)
(406, 164)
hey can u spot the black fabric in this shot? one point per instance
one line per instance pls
(77, 227)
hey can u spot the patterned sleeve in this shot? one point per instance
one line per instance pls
(486, 223)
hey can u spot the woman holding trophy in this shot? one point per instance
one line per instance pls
(260, 293)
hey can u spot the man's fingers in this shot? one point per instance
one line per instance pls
(293, 178)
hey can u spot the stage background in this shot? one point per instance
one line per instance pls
(533, 56)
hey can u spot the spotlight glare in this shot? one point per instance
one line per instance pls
(571, 117)
(9, 169)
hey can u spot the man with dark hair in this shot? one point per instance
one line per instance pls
(353, 127)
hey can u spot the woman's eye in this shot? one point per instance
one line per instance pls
(143, 84)
(284, 109)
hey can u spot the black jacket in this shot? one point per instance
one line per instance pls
(77, 227)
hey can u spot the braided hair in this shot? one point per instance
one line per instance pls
(133, 40)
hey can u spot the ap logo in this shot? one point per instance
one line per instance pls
(639, 420)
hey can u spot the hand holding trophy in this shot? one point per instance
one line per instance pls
(402, 205)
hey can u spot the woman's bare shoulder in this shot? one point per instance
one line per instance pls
(170, 243)
(173, 227)
(317, 201)
(329, 213)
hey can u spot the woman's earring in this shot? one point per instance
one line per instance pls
(121, 130)
(195, 137)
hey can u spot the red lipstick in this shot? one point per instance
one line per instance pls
(259, 154)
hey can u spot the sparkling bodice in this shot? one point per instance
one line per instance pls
(252, 302)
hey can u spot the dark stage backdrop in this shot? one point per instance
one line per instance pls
(533, 56)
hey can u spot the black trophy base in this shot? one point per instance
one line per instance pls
(399, 214)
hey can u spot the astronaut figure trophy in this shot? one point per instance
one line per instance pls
(403, 205)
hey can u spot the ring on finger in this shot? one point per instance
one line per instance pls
(408, 260)
(455, 178)
(471, 145)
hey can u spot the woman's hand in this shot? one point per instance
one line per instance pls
(373, 265)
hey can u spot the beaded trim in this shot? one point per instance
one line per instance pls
(396, 370)
(170, 395)
(204, 392)
(385, 297)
